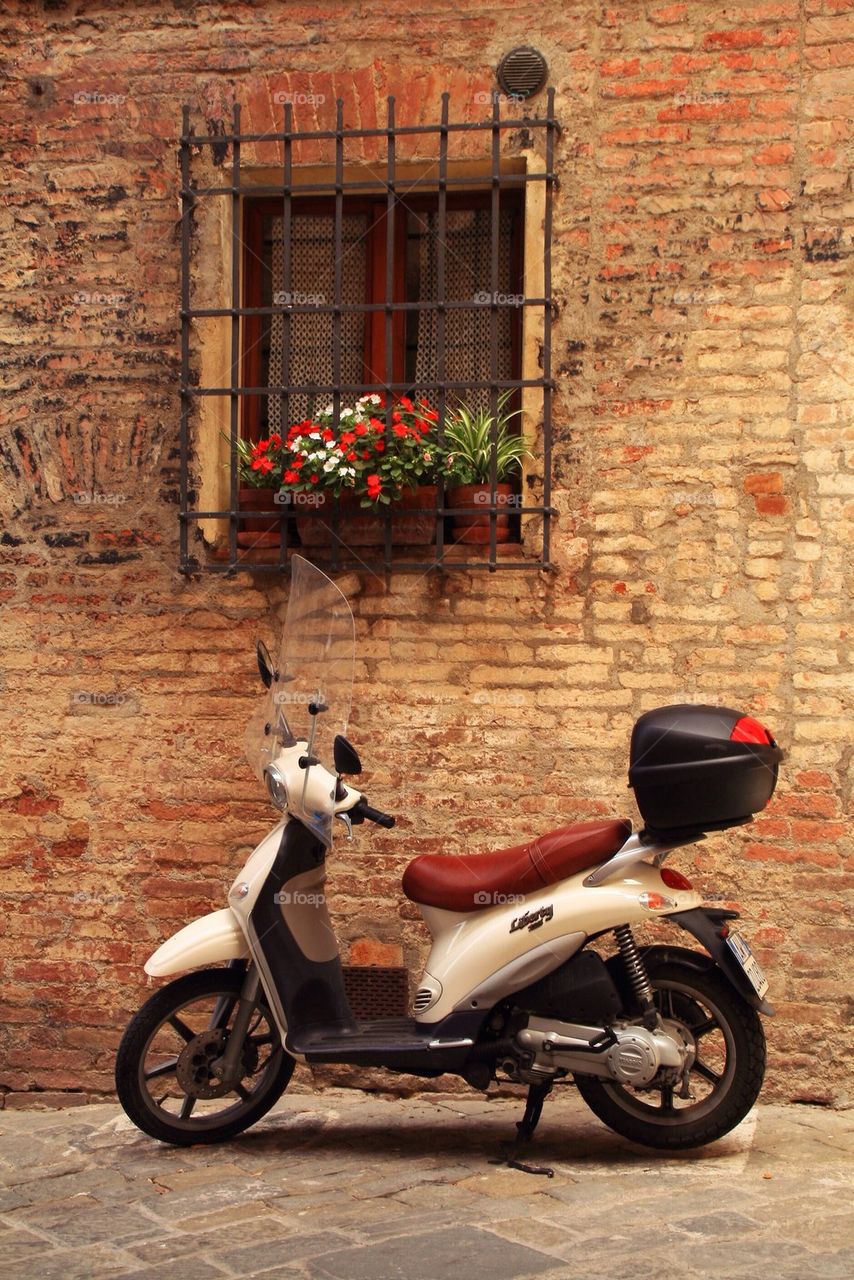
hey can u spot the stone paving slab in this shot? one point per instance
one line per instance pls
(346, 1186)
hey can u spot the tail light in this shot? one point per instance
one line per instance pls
(749, 730)
(675, 879)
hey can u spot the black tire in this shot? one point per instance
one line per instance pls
(152, 1035)
(728, 1069)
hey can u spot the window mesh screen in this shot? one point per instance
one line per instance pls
(310, 334)
(468, 272)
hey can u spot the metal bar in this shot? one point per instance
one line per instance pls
(403, 566)
(184, 437)
(236, 242)
(287, 273)
(547, 337)
(319, 515)
(337, 287)
(364, 308)
(360, 388)
(407, 130)
(476, 182)
(363, 187)
(441, 286)
(389, 299)
(494, 246)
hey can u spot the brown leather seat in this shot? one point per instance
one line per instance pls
(471, 881)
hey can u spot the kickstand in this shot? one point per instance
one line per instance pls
(537, 1094)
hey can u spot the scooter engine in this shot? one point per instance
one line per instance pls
(630, 1054)
(633, 1059)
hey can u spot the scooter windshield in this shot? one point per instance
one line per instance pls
(308, 702)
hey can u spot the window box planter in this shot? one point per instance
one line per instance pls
(257, 531)
(360, 528)
(473, 526)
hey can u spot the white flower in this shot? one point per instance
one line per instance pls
(329, 409)
(329, 465)
(314, 435)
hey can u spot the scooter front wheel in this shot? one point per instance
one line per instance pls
(165, 1069)
(725, 1067)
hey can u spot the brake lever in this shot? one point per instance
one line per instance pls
(345, 818)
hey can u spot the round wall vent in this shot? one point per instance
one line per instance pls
(522, 72)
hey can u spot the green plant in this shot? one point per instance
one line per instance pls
(470, 444)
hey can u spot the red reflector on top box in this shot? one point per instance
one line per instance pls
(749, 730)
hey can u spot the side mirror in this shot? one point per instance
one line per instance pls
(265, 664)
(345, 755)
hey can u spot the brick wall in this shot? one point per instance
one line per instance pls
(702, 468)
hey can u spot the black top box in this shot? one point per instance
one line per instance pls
(700, 768)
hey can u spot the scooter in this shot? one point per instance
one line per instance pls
(663, 1042)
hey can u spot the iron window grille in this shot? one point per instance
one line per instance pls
(496, 192)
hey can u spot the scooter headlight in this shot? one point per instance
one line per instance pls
(276, 787)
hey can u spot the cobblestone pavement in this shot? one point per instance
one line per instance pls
(342, 1186)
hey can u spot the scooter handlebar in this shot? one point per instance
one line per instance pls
(364, 811)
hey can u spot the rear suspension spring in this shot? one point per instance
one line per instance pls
(635, 968)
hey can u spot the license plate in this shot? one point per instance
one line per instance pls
(751, 966)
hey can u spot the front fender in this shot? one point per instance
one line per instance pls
(209, 940)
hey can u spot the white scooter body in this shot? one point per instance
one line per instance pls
(475, 959)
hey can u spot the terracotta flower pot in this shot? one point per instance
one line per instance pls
(473, 526)
(257, 531)
(360, 528)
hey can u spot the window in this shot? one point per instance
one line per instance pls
(428, 279)
(304, 358)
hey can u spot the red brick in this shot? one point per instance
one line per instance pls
(369, 951)
(771, 504)
(764, 482)
(750, 39)
(814, 778)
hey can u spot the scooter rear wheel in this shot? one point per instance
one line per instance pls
(726, 1069)
(164, 1075)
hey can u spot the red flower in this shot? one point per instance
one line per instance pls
(366, 453)
(327, 434)
(276, 440)
(406, 403)
(361, 429)
(351, 456)
(379, 446)
(400, 431)
(377, 425)
(348, 437)
(291, 477)
(263, 465)
(314, 479)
